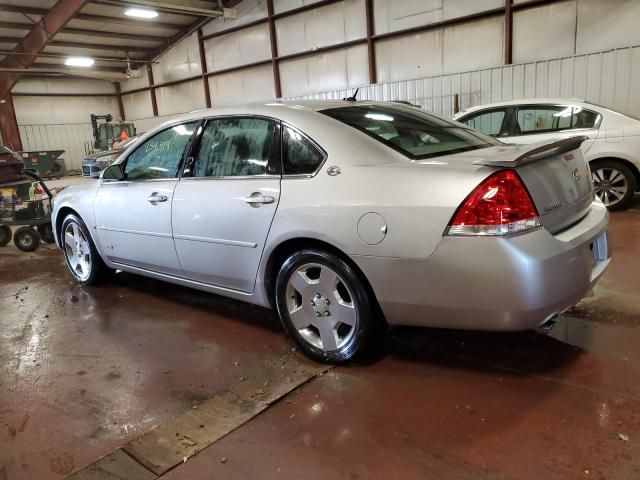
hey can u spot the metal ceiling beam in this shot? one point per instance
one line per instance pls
(173, 8)
(31, 45)
(103, 34)
(97, 46)
(16, 25)
(64, 55)
(92, 18)
(60, 70)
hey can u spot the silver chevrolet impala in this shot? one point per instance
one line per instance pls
(345, 216)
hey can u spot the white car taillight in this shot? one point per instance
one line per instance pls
(500, 205)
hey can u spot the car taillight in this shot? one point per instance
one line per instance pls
(500, 205)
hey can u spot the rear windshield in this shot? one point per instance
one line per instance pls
(412, 132)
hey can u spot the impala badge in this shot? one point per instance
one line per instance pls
(552, 206)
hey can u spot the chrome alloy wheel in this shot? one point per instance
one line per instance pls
(321, 307)
(610, 184)
(77, 251)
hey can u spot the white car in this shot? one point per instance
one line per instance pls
(612, 148)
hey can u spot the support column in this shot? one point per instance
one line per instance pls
(120, 104)
(373, 75)
(9, 124)
(152, 90)
(508, 32)
(274, 50)
(203, 67)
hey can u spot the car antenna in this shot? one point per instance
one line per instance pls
(352, 98)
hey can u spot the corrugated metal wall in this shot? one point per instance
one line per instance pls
(71, 138)
(609, 78)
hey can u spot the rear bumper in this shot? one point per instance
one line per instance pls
(488, 283)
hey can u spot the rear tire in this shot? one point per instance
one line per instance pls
(614, 183)
(26, 239)
(5, 235)
(324, 306)
(80, 253)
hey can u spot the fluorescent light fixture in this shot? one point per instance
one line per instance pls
(140, 13)
(79, 62)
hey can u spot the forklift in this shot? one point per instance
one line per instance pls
(106, 133)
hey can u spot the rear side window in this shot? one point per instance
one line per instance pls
(299, 155)
(410, 131)
(236, 147)
(489, 123)
(541, 118)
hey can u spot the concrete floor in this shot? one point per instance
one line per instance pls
(84, 371)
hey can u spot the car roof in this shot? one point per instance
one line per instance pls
(527, 101)
(290, 110)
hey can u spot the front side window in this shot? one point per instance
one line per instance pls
(412, 132)
(236, 147)
(299, 155)
(489, 123)
(160, 155)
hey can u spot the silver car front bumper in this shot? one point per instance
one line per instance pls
(488, 283)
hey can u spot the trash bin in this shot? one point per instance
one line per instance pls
(47, 163)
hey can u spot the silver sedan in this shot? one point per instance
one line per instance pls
(344, 217)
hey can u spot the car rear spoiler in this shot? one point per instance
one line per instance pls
(534, 154)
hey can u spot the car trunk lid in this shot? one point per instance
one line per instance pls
(556, 175)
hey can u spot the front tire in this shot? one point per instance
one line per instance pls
(614, 183)
(324, 306)
(80, 253)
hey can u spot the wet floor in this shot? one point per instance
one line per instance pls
(83, 371)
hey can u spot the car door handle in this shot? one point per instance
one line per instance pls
(155, 198)
(258, 199)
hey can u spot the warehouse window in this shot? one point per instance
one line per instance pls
(159, 156)
(299, 156)
(236, 147)
(489, 123)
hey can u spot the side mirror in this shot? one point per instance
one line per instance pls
(113, 173)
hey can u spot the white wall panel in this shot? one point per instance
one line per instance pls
(474, 45)
(393, 15)
(607, 24)
(137, 105)
(280, 6)
(607, 78)
(52, 123)
(181, 61)
(62, 110)
(246, 12)
(62, 85)
(180, 98)
(409, 56)
(135, 83)
(557, 21)
(337, 23)
(73, 138)
(238, 48)
(336, 70)
(244, 86)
